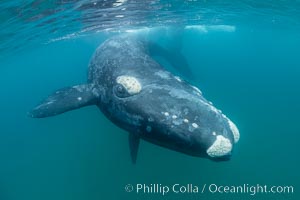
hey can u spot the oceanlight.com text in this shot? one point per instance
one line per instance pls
(248, 189)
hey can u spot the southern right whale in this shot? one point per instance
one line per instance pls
(140, 96)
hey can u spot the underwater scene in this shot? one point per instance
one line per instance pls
(158, 99)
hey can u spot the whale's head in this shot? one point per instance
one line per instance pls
(167, 111)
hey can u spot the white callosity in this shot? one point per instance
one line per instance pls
(221, 147)
(195, 125)
(131, 84)
(235, 131)
(177, 78)
(197, 90)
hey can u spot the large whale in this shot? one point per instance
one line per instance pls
(140, 96)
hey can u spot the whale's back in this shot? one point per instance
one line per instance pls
(118, 53)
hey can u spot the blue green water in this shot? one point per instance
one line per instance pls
(251, 72)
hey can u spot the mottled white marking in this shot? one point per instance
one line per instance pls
(166, 114)
(186, 121)
(148, 129)
(195, 125)
(197, 89)
(162, 74)
(119, 16)
(235, 131)
(174, 117)
(79, 98)
(221, 147)
(177, 78)
(131, 84)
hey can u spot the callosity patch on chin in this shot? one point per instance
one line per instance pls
(221, 147)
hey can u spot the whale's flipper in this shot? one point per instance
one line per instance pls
(65, 99)
(134, 142)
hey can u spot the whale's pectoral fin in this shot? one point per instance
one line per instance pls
(65, 99)
(134, 142)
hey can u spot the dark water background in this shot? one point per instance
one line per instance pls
(251, 73)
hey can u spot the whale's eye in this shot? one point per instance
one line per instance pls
(120, 91)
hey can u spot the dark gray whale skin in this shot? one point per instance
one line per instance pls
(141, 97)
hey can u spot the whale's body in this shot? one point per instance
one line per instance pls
(139, 95)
